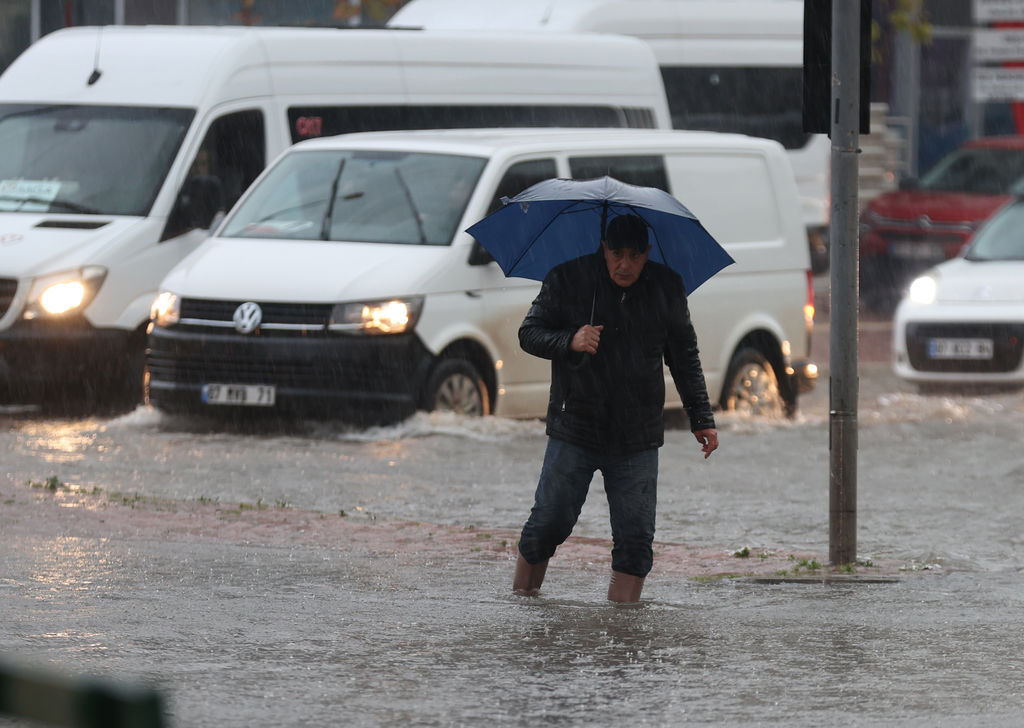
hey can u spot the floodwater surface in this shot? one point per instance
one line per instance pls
(238, 628)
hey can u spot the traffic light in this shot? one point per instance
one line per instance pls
(818, 66)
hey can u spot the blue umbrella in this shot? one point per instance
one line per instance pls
(560, 219)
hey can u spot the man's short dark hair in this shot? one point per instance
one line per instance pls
(627, 231)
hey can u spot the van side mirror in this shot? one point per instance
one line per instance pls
(479, 255)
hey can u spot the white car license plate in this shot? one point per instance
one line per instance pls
(960, 349)
(250, 395)
(909, 250)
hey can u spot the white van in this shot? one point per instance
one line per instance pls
(119, 145)
(728, 65)
(344, 281)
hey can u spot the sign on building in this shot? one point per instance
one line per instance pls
(993, 45)
(998, 84)
(996, 11)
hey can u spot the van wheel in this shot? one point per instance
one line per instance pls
(456, 386)
(751, 386)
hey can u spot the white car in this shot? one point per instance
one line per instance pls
(962, 322)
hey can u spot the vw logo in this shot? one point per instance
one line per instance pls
(248, 317)
(924, 221)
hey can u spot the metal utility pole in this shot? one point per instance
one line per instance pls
(843, 378)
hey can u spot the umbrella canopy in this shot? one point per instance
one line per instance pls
(560, 219)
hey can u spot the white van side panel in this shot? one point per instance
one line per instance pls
(513, 69)
(647, 19)
(504, 69)
(722, 316)
(739, 196)
(361, 68)
(135, 282)
(706, 32)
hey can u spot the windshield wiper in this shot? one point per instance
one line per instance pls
(412, 203)
(325, 229)
(58, 202)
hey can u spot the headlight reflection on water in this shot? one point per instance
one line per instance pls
(61, 443)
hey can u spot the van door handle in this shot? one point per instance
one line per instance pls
(474, 294)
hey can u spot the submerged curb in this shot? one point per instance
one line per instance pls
(825, 579)
(57, 511)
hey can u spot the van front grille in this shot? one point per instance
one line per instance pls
(202, 368)
(296, 319)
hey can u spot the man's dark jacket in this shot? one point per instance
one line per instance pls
(613, 400)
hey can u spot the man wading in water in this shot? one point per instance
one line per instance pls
(607, 399)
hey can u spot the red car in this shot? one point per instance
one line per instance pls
(907, 231)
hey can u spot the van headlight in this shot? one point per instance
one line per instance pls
(64, 293)
(166, 309)
(394, 316)
(923, 290)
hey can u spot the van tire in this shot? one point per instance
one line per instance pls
(456, 386)
(752, 386)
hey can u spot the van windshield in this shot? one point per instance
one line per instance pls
(359, 196)
(94, 160)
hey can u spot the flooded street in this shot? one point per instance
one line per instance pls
(316, 575)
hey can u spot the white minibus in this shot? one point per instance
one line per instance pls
(119, 146)
(728, 65)
(344, 281)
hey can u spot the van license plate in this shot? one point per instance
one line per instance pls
(960, 349)
(251, 395)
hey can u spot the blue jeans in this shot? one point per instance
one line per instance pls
(631, 485)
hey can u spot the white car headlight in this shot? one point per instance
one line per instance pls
(63, 293)
(166, 309)
(923, 290)
(394, 316)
